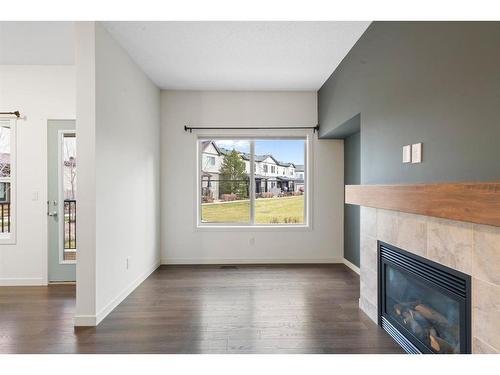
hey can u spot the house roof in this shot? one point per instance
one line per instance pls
(246, 155)
(299, 168)
(205, 144)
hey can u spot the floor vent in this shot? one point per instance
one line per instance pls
(228, 267)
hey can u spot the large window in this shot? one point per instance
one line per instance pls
(251, 182)
(7, 181)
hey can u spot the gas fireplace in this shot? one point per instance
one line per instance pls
(424, 306)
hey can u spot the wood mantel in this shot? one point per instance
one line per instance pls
(471, 202)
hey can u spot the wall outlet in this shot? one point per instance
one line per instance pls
(416, 153)
(407, 154)
(127, 263)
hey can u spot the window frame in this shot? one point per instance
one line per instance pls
(12, 124)
(304, 135)
(60, 194)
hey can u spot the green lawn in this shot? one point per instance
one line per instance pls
(267, 211)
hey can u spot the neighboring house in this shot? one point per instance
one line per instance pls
(271, 175)
(299, 182)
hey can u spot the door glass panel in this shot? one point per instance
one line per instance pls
(69, 193)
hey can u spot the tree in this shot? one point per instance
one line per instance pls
(233, 177)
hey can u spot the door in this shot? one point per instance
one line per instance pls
(61, 200)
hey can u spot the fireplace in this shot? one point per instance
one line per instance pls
(424, 306)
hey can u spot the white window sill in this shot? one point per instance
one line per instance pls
(252, 228)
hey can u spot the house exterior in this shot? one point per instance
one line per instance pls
(271, 175)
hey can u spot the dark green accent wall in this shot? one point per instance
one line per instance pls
(352, 176)
(431, 82)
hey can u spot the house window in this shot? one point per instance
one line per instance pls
(7, 181)
(238, 196)
(210, 161)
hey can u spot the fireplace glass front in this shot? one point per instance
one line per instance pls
(427, 304)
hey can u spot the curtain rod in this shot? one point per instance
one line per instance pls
(191, 128)
(15, 113)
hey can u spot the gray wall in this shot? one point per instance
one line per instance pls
(352, 176)
(431, 82)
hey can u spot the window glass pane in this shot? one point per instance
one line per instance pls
(69, 160)
(279, 188)
(225, 167)
(5, 208)
(5, 154)
(69, 191)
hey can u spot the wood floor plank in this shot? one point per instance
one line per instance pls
(203, 309)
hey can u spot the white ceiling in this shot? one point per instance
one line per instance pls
(202, 55)
(238, 55)
(36, 43)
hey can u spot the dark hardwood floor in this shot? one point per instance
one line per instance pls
(203, 309)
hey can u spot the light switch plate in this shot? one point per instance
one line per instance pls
(416, 153)
(407, 154)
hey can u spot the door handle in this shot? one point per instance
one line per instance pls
(52, 213)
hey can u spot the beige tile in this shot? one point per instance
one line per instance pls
(368, 221)
(368, 286)
(480, 347)
(387, 226)
(486, 255)
(369, 309)
(412, 233)
(368, 253)
(486, 305)
(450, 243)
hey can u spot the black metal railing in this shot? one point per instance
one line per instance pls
(70, 224)
(5, 217)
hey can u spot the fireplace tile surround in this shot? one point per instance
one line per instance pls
(470, 248)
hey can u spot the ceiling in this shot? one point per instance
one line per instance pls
(202, 55)
(36, 43)
(238, 55)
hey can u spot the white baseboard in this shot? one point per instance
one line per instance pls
(197, 261)
(84, 321)
(35, 281)
(93, 320)
(351, 266)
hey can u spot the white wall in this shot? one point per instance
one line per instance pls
(127, 169)
(182, 243)
(41, 93)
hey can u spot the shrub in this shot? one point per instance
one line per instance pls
(229, 197)
(291, 220)
(207, 199)
(268, 194)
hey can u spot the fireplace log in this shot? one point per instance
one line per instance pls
(405, 306)
(431, 314)
(440, 345)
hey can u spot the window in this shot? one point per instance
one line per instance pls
(211, 160)
(236, 194)
(68, 173)
(7, 181)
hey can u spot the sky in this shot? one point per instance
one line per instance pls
(283, 150)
